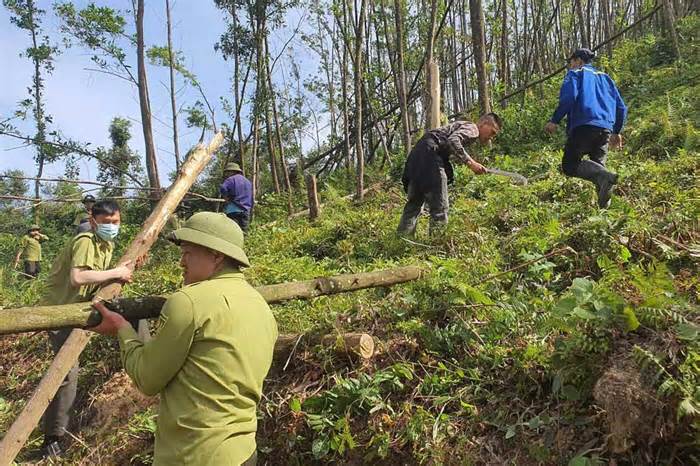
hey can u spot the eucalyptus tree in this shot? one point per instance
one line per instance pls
(28, 17)
(103, 31)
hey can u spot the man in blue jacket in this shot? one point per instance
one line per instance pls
(595, 114)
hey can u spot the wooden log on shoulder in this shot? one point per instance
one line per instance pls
(81, 315)
(359, 344)
(67, 356)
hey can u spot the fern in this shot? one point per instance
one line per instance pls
(668, 385)
(659, 318)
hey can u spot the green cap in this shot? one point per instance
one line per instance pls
(213, 231)
(232, 167)
(34, 227)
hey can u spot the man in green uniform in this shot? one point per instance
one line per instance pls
(75, 276)
(82, 218)
(30, 248)
(211, 354)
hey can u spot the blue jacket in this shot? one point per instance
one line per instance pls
(238, 191)
(590, 97)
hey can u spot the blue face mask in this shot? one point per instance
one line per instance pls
(107, 231)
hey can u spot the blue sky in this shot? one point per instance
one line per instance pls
(83, 103)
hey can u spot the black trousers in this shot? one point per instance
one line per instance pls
(585, 140)
(32, 269)
(241, 218)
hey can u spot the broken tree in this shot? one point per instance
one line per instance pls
(18, 433)
(28, 319)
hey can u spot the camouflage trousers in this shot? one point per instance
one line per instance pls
(437, 203)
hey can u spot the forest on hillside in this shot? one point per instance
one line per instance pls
(541, 328)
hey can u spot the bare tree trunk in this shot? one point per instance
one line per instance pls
(173, 105)
(432, 81)
(38, 113)
(255, 179)
(359, 150)
(145, 104)
(344, 80)
(26, 319)
(476, 17)
(238, 98)
(401, 78)
(505, 75)
(263, 100)
(670, 20)
(585, 36)
(271, 147)
(312, 194)
(433, 119)
(278, 132)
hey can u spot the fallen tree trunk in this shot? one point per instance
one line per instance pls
(29, 319)
(359, 344)
(68, 355)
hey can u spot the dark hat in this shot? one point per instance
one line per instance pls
(584, 54)
(88, 198)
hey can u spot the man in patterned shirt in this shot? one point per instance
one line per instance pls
(428, 170)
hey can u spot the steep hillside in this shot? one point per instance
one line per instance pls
(547, 331)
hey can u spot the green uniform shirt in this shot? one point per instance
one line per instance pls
(84, 250)
(31, 247)
(208, 362)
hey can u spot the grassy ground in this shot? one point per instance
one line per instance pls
(590, 355)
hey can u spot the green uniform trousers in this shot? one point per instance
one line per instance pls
(57, 414)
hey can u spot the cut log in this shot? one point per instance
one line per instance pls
(358, 344)
(18, 433)
(30, 319)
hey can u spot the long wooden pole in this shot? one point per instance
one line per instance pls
(67, 356)
(30, 319)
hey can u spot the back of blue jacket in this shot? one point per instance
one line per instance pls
(590, 97)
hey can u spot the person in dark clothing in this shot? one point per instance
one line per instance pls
(238, 192)
(428, 170)
(81, 223)
(595, 114)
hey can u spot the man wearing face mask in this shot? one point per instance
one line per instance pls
(76, 274)
(211, 354)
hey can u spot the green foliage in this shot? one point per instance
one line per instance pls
(684, 387)
(495, 353)
(101, 30)
(114, 162)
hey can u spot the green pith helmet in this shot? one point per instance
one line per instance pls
(232, 167)
(213, 231)
(34, 227)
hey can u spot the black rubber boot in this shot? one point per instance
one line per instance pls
(600, 177)
(605, 188)
(52, 447)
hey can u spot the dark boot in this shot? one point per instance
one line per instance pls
(605, 188)
(600, 177)
(51, 448)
